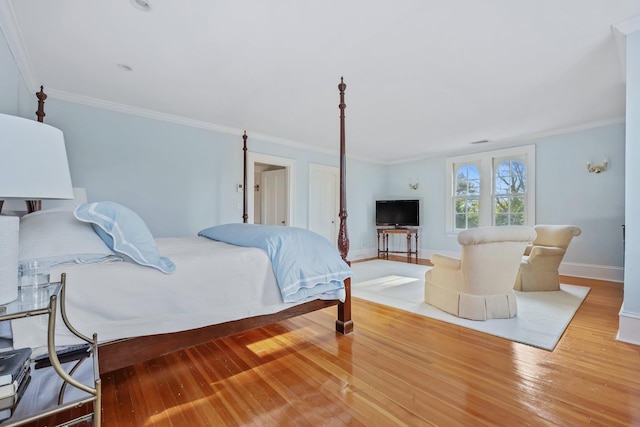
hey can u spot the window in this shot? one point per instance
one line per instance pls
(467, 196)
(509, 196)
(491, 188)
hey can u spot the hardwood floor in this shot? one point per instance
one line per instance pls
(396, 369)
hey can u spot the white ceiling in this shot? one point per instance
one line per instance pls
(423, 77)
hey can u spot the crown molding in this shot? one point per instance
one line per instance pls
(628, 26)
(136, 111)
(14, 38)
(180, 120)
(530, 138)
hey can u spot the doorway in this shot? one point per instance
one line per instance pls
(271, 178)
(270, 195)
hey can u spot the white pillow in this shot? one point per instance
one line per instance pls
(55, 236)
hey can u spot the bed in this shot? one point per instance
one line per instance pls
(140, 312)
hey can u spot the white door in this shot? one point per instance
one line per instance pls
(324, 202)
(273, 189)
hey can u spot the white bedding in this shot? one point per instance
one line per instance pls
(214, 282)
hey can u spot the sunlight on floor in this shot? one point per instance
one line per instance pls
(272, 345)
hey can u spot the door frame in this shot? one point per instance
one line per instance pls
(290, 171)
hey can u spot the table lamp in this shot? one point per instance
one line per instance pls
(33, 165)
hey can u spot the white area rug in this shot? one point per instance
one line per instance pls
(541, 320)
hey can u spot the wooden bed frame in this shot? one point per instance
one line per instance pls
(121, 353)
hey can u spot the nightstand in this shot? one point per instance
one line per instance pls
(56, 387)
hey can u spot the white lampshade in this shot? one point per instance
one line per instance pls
(33, 165)
(33, 160)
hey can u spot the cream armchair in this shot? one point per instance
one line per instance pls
(479, 285)
(539, 267)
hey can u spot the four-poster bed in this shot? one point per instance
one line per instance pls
(124, 352)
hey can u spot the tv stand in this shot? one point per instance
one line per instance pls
(383, 251)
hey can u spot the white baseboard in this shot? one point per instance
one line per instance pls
(629, 328)
(593, 271)
(360, 254)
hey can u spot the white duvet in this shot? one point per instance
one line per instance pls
(214, 282)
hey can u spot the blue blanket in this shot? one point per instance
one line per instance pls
(305, 264)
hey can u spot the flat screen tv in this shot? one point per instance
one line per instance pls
(398, 213)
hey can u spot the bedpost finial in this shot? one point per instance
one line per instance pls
(342, 86)
(41, 97)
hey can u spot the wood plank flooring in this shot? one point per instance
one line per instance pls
(396, 369)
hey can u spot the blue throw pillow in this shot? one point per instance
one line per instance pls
(125, 233)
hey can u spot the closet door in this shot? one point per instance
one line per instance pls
(324, 190)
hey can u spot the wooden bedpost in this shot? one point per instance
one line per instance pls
(245, 193)
(344, 324)
(343, 236)
(36, 205)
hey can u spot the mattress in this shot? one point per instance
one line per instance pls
(214, 282)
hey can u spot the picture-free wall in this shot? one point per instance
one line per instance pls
(566, 193)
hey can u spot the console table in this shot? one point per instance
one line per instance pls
(383, 246)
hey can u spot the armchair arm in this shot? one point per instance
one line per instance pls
(444, 261)
(544, 251)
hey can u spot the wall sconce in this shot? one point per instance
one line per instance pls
(413, 184)
(597, 168)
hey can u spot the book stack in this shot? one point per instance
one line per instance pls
(15, 373)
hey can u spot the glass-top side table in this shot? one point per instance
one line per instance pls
(45, 394)
(30, 302)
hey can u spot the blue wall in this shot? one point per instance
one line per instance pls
(180, 179)
(565, 193)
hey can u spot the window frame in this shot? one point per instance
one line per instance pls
(485, 162)
(455, 197)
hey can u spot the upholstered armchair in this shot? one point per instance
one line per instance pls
(539, 266)
(479, 285)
